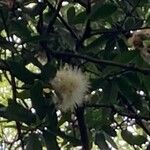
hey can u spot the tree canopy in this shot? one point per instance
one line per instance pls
(105, 47)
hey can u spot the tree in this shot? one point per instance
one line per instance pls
(99, 37)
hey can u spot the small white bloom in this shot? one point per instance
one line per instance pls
(70, 86)
(141, 41)
(145, 54)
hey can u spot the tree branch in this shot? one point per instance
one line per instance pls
(145, 71)
(133, 111)
(82, 127)
(53, 18)
(121, 113)
(111, 31)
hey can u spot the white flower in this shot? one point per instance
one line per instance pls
(141, 41)
(145, 54)
(70, 86)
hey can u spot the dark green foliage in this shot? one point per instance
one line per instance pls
(133, 140)
(33, 142)
(92, 35)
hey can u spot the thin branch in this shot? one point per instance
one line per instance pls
(87, 29)
(14, 96)
(134, 8)
(133, 111)
(53, 18)
(82, 127)
(64, 22)
(68, 27)
(145, 71)
(121, 113)
(4, 23)
(3, 65)
(18, 127)
(111, 31)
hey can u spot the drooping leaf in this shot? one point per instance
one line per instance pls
(109, 130)
(20, 28)
(111, 141)
(48, 72)
(80, 18)
(17, 112)
(38, 101)
(132, 22)
(112, 89)
(94, 46)
(71, 15)
(131, 139)
(33, 142)
(121, 45)
(102, 11)
(126, 89)
(6, 44)
(21, 72)
(50, 140)
(101, 141)
(23, 95)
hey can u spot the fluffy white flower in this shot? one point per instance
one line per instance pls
(70, 86)
(141, 41)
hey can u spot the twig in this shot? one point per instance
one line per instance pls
(4, 23)
(87, 29)
(121, 113)
(53, 18)
(133, 111)
(64, 22)
(82, 127)
(111, 31)
(18, 127)
(145, 71)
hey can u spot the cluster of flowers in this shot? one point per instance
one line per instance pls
(71, 86)
(141, 41)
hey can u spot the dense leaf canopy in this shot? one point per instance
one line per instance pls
(109, 40)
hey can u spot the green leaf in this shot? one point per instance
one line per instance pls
(146, 81)
(96, 43)
(35, 39)
(22, 73)
(132, 22)
(109, 130)
(6, 44)
(24, 94)
(101, 142)
(109, 48)
(133, 140)
(80, 18)
(134, 80)
(121, 45)
(94, 117)
(112, 89)
(129, 23)
(127, 90)
(50, 140)
(96, 83)
(71, 15)
(33, 142)
(17, 112)
(111, 141)
(38, 101)
(102, 11)
(48, 72)
(20, 29)
(137, 3)
(35, 9)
